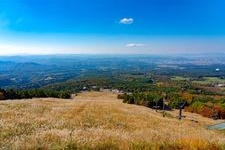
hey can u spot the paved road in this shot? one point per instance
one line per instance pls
(220, 126)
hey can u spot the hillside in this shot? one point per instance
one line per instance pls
(96, 120)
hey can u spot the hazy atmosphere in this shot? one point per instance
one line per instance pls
(111, 26)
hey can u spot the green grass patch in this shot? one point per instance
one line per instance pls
(210, 80)
(180, 78)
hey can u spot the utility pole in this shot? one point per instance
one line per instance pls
(164, 95)
(163, 108)
(156, 108)
(180, 111)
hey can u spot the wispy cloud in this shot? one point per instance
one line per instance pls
(135, 45)
(127, 21)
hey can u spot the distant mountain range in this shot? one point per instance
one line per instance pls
(36, 71)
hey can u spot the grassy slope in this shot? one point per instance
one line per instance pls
(98, 121)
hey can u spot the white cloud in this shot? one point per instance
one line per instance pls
(127, 21)
(135, 45)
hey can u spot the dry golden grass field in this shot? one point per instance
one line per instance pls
(100, 121)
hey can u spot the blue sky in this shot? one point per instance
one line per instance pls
(111, 26)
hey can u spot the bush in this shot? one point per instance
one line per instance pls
(196, 107)
(176, 102)
(145, 99)
(2, 94)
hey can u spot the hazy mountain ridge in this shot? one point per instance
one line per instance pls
(37, 71)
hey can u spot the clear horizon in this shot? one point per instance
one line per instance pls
(45, 27)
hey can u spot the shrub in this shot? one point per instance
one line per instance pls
(2, 94)
(176, 102)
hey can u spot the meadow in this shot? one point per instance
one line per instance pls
(98, 120)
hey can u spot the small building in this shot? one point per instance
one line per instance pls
(85, 88)
(116, 91)
(94, 87)
(221, 85)
(104, 90)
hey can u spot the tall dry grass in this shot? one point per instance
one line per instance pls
(98, 121)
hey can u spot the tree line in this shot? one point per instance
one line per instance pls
(206, 105)
(34, 93)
